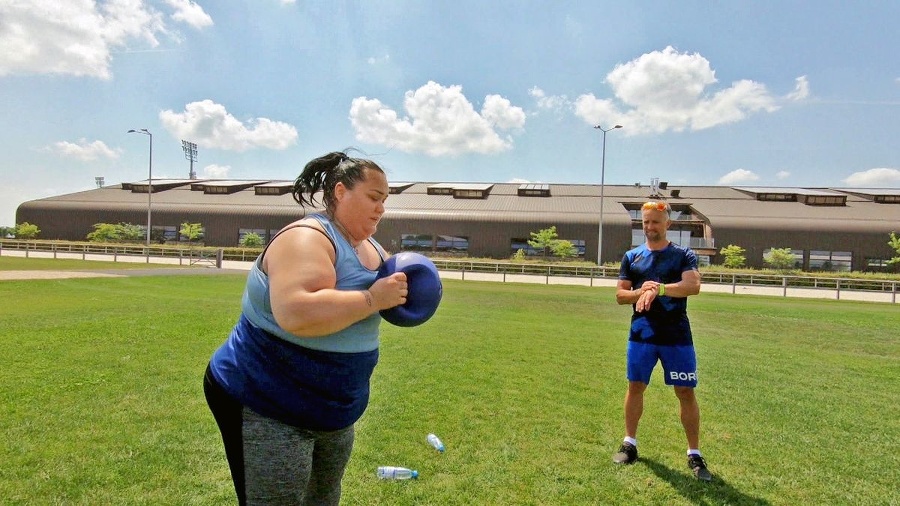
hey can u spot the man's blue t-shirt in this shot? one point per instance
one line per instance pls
(666, 322)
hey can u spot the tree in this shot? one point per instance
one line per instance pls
(26, 230)
(131, 232)
(564, 249)
(894, 243)
(191, 230)
(734, 256)
(118, 232)
(543, 239)
(781, 259)
(7, 232)
(251, 240)
(105, 232)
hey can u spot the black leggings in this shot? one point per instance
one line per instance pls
(227, 413)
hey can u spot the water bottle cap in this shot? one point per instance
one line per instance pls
(415, 474)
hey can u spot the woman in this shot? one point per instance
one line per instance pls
(292, 378)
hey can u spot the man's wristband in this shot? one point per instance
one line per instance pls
(662, 289)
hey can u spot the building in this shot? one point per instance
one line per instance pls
(826, 228)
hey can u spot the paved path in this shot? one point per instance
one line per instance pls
(237, 267)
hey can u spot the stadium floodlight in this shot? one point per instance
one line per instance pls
(602, 175)
(149, 183)
(190, 152)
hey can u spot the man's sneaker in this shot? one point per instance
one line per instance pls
(698, 466)
(627, 454)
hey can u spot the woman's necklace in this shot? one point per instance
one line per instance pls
(346, 234)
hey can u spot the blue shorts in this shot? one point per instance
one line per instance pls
(679, 363)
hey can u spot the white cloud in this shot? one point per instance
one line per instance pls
(440, 121)
(378, 60)
(84, 150)
(667, 90)
(874, 177)
(214, 171)
(782, 174)
(78, 37)
(551, 102)
(190, 13)
(801, 90)
(738, 176)
(208, 124)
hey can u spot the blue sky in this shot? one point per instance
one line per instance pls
(768, 93)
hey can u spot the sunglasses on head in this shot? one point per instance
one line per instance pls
(658, 206)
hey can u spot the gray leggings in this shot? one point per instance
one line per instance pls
(275, 463)
(291, 466)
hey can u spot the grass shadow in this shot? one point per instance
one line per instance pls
(718, 491)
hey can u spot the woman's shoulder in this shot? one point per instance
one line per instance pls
(311, 221)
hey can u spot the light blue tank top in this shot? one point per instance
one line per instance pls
(362, 336)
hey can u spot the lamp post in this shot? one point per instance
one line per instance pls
(149, 182)
(602, 175)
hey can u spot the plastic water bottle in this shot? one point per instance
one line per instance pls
(435, 442)
(396, 473)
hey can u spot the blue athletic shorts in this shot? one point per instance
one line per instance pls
(679, 363)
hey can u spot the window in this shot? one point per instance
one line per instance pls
(396, 188)
(517, 244)
(825, 200)
(451, 243)
(534, 190)
(272, 190)
(416, 242)
(168, 233)
(579, 246)
(777, 197)
(440, 189)
(877, 264)
(830, 261)
(469, 194)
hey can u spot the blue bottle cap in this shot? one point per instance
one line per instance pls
(415, 474)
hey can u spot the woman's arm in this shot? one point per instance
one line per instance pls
(300, 266)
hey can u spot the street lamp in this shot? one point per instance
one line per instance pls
(149, 180)
(602, 175)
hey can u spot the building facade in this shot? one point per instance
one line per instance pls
(826, 228)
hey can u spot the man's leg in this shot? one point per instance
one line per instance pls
(634, 407)
(690, 415)
(690, 420)
(640, 363)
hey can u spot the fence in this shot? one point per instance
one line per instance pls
(191, 256)
(759, 283)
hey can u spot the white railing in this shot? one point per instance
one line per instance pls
(589, 275)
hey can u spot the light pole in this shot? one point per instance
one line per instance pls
(602, 175)
(149, 181)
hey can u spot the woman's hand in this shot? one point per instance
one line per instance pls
(389, 291)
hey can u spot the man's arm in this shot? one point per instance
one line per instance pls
(625, 294)
(689, 285)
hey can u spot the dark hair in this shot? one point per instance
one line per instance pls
(324, 172)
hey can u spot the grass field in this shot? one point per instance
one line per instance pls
(102, 400)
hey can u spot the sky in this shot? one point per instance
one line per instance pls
(770, 93)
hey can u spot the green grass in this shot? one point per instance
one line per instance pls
(8, 263)
(102, 399)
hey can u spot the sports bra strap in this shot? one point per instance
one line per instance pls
(295, 225)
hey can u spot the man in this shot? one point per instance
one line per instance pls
(656, 278)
